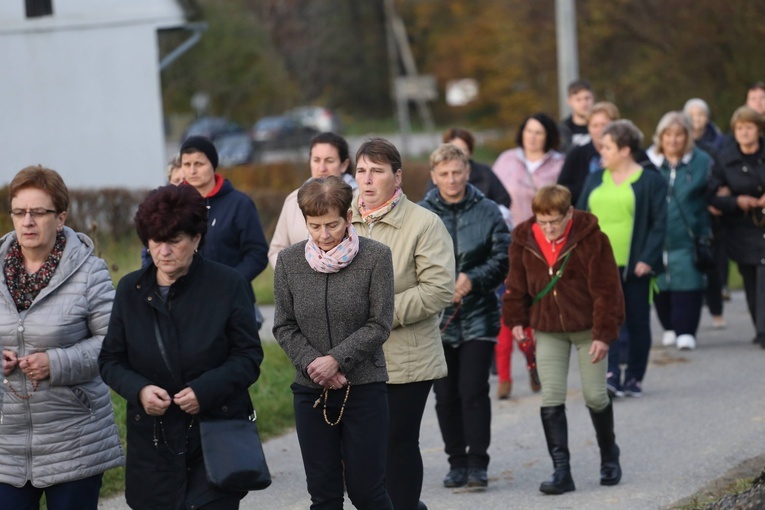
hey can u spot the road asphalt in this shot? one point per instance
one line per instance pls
(702, 414)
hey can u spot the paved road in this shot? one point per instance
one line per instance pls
(702, 413)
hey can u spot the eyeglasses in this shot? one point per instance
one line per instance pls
(552, 223)
(35, 213)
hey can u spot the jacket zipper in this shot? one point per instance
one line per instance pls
(551, 273)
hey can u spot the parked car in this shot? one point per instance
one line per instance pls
(212, 128)
(316, 117)
(234, 149)
(280, 132)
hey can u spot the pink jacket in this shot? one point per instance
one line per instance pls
(510, 168)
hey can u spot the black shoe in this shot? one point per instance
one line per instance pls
(456, 478)
(421, 506)
(477, 477)
(560, 483)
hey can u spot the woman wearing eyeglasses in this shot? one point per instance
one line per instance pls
(563, 282)
(57, 430)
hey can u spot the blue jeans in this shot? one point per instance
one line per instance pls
(74, 495)
(638, 324)
(353, 451)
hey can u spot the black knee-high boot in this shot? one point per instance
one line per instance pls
(556, 433)
(603, 421)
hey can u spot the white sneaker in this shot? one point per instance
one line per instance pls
(669, 338)
(686, 342)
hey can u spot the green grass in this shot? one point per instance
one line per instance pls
(271, 396)
(263, 286)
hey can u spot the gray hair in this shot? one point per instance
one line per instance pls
(670, 119)
(696, 102)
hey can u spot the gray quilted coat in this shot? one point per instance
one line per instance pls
(66, 430)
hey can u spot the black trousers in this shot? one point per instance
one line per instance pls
(353, 451)
(717, 278)
(638, 326)
(679, 310)
(403, 474)
(754, 287)
(463, 405)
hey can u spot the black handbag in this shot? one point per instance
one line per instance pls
(233, 455)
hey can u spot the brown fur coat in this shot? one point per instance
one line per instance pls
(587, 296)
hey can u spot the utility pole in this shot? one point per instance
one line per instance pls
(411, 86)
(568, 54)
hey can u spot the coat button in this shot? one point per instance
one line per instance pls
(138, 286)
(224, 409)
(137, 417)
(148, 298)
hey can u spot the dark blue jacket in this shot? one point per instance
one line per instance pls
(234, 234)
(650, 222)
(481, 242)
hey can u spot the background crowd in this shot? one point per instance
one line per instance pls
(378, 301)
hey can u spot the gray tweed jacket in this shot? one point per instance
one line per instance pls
(347, 314)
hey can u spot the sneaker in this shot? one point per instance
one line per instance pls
(633, 388)
(456, 478)
(669, 338)
(718, 322)
(477, 478)
(613, 386)
(686, 342)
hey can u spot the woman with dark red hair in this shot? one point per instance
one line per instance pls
(182, 347)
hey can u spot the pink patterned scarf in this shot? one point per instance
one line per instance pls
(335, 259)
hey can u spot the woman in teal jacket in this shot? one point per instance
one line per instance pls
(630, 202)
(685, 168)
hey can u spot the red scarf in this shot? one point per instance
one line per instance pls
(551, 249)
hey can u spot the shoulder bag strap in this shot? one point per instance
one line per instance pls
(552, 283)
(680, 209)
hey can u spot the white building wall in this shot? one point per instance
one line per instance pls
(80, 93)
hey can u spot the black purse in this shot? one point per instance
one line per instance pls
(233, 455)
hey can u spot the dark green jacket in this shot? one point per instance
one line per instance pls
(649, 224)
(686, 205)
(481, 241)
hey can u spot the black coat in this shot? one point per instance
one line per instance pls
(744, 239)
(481, 241)
(211, 342)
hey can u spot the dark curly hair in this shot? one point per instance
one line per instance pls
(169, 211)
